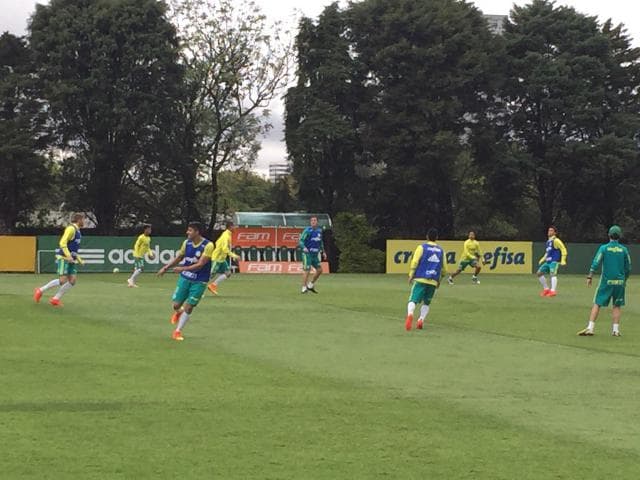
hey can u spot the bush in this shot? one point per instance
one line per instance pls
(352, 233)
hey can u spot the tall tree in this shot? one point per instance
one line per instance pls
(321, 115)
(569, 93)
(235, 65)
(110, 73)
(24, 176)
(427, 68)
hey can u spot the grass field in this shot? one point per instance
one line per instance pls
(271, 384)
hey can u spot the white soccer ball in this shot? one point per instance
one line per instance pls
(116, 270)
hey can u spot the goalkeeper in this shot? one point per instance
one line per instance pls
(471, 257)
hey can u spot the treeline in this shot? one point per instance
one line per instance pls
(413, 113)
(409, 112)
(132, 110)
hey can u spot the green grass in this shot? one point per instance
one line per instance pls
(271, 384)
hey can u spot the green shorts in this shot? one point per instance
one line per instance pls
(188, 291)
(66, 269)
(422, 292)
(138, 263)
(609, 293)
(220, 267)
(467, 263)
(550, 268)
(310, 260)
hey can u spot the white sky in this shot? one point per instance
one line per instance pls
(15, 13)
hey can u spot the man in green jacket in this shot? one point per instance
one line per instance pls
(616, 267)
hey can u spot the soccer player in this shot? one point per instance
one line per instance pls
(140, 249)
(67, 259)
(194, 257)
(221, 265)
(427, 268)
(471, 256)
(312, 247)
(555, 253)
(616, 267)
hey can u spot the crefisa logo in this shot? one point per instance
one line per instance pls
(500, 256)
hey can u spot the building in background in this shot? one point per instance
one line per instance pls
(496, 23)
(278, 171)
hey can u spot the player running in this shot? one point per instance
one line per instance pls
(428, 266)
(221, 264)
(194, 257)
(555, 254)
(67, 259)
(140, 249)
(471, 257)
(616, 267)
(312, 247)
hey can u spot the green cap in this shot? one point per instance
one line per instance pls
(615, 230)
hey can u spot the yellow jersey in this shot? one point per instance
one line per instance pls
(223, 248)
(471, 250)
(142, 246)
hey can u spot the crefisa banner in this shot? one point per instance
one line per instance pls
(499, 257)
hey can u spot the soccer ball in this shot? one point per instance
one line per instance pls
(116, 270)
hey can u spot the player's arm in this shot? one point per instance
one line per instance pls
(415, 261)
(627, 265)
(226, 247)
(146, 247)
(557, 243)
(595, 264)
(303, 239)
(67, 236)
(322, 252)
(178, 258)
(202, 261)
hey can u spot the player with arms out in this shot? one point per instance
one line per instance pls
(616, 267)
(140, 249)
(67, 259)
(312, 247)
(194, 258)
(555, 254)
(221, 264)
(471, 257)
(427, 268)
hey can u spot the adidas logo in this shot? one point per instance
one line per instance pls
(434, 258)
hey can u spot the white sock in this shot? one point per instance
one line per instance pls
(62, 290)
(220, 279)
(135, 273)
(51, 284)
(543, 282)
(591, 326)
(554, 283)
(410, 308)
(424, 311)
(616, 327)
(184, 318)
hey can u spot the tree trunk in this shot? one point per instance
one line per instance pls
(214, 200)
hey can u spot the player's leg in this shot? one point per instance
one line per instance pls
(67, 281)
(427, 297)
(542, 279)
(222, 271)
(477, 267)
(196, 291)
(317, 272)
(415, 297)
(55, 283)
(618, 303)
(600, 299)
(138, 268)
(306, 270)
(180, 295)
(553, 273)
(461, 268)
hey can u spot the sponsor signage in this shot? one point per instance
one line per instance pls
(265, 237)
(276, 267)
(500, 257)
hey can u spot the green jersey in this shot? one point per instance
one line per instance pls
(615, 261)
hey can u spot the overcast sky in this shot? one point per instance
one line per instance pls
(14, 15)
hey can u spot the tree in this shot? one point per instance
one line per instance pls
(571, 103)
(321, 115)
(110, 75)
(235, 65)
(352, 233)
(25, 176)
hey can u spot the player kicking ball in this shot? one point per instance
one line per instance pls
(555, 254)
(427, 268)
(471, 257)
(67, 260)
(194, 258)
(140, 249)
(616, 267)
